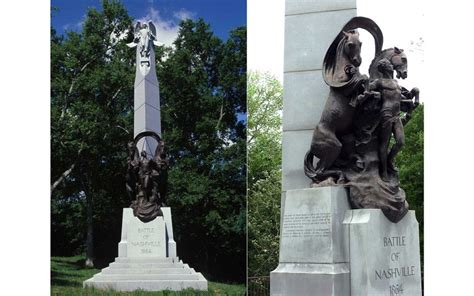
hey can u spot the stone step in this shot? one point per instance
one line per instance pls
(151, 285)
(147, 265)
(147, 260)
(181, 270)
(144, 277)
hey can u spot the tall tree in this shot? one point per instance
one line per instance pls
(91, 93)
(265, 102)
(203, 90)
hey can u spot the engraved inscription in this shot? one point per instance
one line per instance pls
(396, 289)
(306, 225)
(146, 240)
(398, 269)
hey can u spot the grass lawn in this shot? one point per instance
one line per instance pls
(68, 273)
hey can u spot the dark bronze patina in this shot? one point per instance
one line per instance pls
(351, 140)
(146, 178)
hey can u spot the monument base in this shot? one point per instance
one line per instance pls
(147, 259)
(384, 256)
(310, 279)
(313, 254)
(327, 249)
(148, 274)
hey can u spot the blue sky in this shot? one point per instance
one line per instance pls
(222, 15)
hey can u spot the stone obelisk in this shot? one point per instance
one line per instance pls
(147, 90)
(147, 257)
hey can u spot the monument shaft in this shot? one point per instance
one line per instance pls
(147, 92)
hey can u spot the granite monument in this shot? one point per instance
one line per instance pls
(147, 255)
(349, 231)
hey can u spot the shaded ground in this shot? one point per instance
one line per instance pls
(68, 273)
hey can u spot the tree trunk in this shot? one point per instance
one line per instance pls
(62, 177)
(90, 229)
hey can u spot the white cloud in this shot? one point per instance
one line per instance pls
(183, 14)
(167, 29)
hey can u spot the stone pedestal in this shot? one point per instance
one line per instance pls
(314, 258)
(147, 259)
(328, 249)
(142, 239)
(171, 246)
(384, 256)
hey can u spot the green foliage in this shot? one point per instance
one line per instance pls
(264, 224)
(91, 96)
(265, 102)
(410, 164)
(202, 81)
(202, 89)
(68, 273)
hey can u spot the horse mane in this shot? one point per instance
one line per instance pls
(330, 59)
(331, 56)
(373, 65)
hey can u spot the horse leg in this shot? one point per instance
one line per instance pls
(415, 92)
(327, 148)
(336, 174)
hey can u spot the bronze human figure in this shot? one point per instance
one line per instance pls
(351, 141)
(391, 122)
(146, 179)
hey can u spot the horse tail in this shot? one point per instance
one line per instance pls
(309, 169)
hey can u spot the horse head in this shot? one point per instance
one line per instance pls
(344, 52)
(397, 59)
(352, 47)
(399, 63)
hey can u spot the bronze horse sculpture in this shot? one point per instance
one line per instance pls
(341, 73)
(146, 179)
(398, 59)
(360, 117)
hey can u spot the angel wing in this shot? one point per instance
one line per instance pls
(152, 29)
(137, 26)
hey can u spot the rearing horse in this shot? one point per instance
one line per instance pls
(341, 73)
(398, 60)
